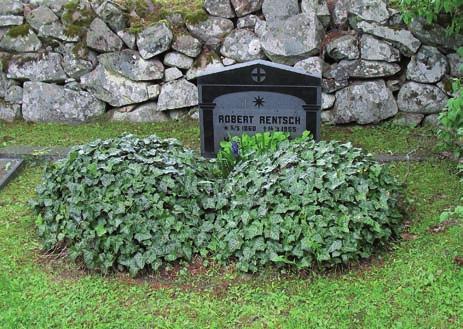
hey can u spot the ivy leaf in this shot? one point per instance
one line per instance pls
(100, 230)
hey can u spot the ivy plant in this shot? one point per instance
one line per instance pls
(451, 131)
(306, 203)
(449, 11)
(133, 204)
(127, 203)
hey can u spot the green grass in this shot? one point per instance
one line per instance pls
(22, 133)
(414, 285)
(377, 139)
(386, 138)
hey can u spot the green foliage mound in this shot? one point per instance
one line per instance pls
(133, 204)
(306, 203)
(126, 203)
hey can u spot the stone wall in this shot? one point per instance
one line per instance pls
(373, 66)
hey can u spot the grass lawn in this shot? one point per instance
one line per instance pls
(414, 285)
(378, 139)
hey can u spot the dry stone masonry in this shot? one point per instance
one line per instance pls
(373, 66)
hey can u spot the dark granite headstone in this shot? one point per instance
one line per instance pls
(258, 96)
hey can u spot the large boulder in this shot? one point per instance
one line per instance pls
(245, 7)
(369, 10)
(187, 45)
(56, 30)
(429, 65)
(9, 112)
(5, 84)
(220, 8)
(176, 59)
(242, 45)
(153, 91)
(44, 102)
(177, 94)
(280, 8)
(45, 67)
(129, 38)
(211, 28)
(332, 85)
(101, 38)
(290, 40)
(320, 8)
(154, 40)
(421, 98)
(343, 47)
(327, 101)
(364, 102)
(374, 49)
(77, 60)
(55, 5)
(400, 38)
(40, 16)
(431, 120)
(11, 12)
(361, 69)
(131, 65)
(14, 95)
(27, 42)
(113, 88)
(327, 117)
(112, 15)
(456, 65)
(11, 7)
(248, 22)
(312, 65)
(147, 112)
(340, 14)
(172, 73)
(207, 60)
(408, 119)
(10, 20)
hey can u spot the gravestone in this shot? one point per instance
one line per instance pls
(8, 169)
(257, 96)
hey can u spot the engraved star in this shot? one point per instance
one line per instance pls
(259, 102)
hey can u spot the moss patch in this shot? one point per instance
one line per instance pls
(143, 13)
(196, 17)
(18, 31)
(77, 17)
(4, 61)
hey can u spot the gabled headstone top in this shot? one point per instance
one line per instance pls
(257, 96)
(262, 73)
